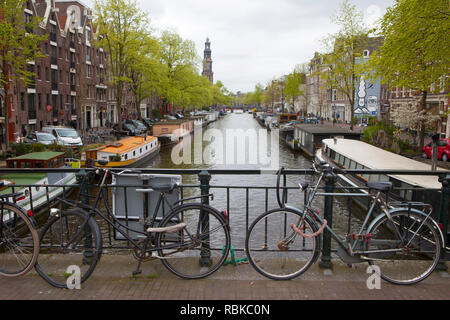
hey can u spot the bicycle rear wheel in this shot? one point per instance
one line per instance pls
(65, 243)
(275, 250)
(200, 248)
(19, 241)
(410, 247)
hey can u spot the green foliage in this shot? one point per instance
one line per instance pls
(116, 158)
(38, 147)
(156, 113)
(21, 148)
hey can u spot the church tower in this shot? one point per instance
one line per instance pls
(207, 62)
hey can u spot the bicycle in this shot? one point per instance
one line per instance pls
(403, 241)
(19, 239)
(192, 240)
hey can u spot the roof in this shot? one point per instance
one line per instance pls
(23, 178)
(316, 128)
(39, 156)
(126, 144)
(375, 158)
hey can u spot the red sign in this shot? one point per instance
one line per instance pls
(48, 108)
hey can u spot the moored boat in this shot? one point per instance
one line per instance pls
(42, 188)
(354, 154)
(127, 152)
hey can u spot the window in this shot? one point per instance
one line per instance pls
(22, 101)
(366, 53)
(39, 101)
(88, 54)
(38, 68)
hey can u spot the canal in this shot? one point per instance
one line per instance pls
(244, 206)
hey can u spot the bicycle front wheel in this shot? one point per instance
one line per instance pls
(408, 247)
(275, 250)
(70, 240)
(19, 241)
(200, 248)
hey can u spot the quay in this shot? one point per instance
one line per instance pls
(112, 280)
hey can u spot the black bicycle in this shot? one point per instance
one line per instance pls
(402, 241)
(192, 240)
(19, 239)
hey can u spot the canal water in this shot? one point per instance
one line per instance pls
(243, 205)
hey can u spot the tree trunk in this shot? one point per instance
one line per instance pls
(422, 106)
(119, 104)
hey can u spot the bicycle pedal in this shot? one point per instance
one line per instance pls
(136, 272)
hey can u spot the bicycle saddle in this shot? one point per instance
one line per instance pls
(164, 187)
(380, 186)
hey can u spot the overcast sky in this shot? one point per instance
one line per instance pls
(254, 40)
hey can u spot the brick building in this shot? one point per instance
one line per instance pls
(70, 87)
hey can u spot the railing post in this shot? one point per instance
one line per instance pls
(443, 217)
(330, 180)
(205, 252)
(82, 179)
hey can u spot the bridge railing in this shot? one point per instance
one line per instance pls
(244, 200)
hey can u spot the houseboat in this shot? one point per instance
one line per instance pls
(180, 128)
(36, 196)
(358, 155)
(286, 117)
(127, 152)
(310, 136)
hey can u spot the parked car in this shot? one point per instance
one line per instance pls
(64, 136)
(178, 116)
(40, 137)
(443, 150)
(139, 125)
(148, 122)
(127, 129)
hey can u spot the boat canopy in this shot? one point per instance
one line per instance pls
(371, 157)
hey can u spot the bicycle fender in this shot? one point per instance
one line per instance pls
(433, 222)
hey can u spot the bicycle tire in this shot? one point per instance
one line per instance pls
(267, 254)
(54, 259)
(413, 263)
(19, 241)
(194, 262)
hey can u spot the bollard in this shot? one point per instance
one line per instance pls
(83, 181)
(443, 217)
(325, 263)
(205, 252)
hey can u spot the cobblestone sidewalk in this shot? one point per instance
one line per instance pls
(112, 280)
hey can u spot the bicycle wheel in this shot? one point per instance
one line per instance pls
(19, 241)
(200, 248)
(275, 250)
(65, 243)
(410, 247)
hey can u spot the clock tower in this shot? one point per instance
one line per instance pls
(207, 62)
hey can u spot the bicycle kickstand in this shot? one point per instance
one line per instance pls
(141, 258)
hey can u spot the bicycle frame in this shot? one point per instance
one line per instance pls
(350, 249)
(117, 225)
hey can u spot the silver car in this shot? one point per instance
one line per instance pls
(40, 137)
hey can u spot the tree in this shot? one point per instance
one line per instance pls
(120, 25)
(293, 88)
(415, 51)
(18, 46)
(343, 48)
(407, 117)
(145, 71)
(180, 59)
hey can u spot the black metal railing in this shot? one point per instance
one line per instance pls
(244, 203)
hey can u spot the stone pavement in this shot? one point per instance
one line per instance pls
(112, 280)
